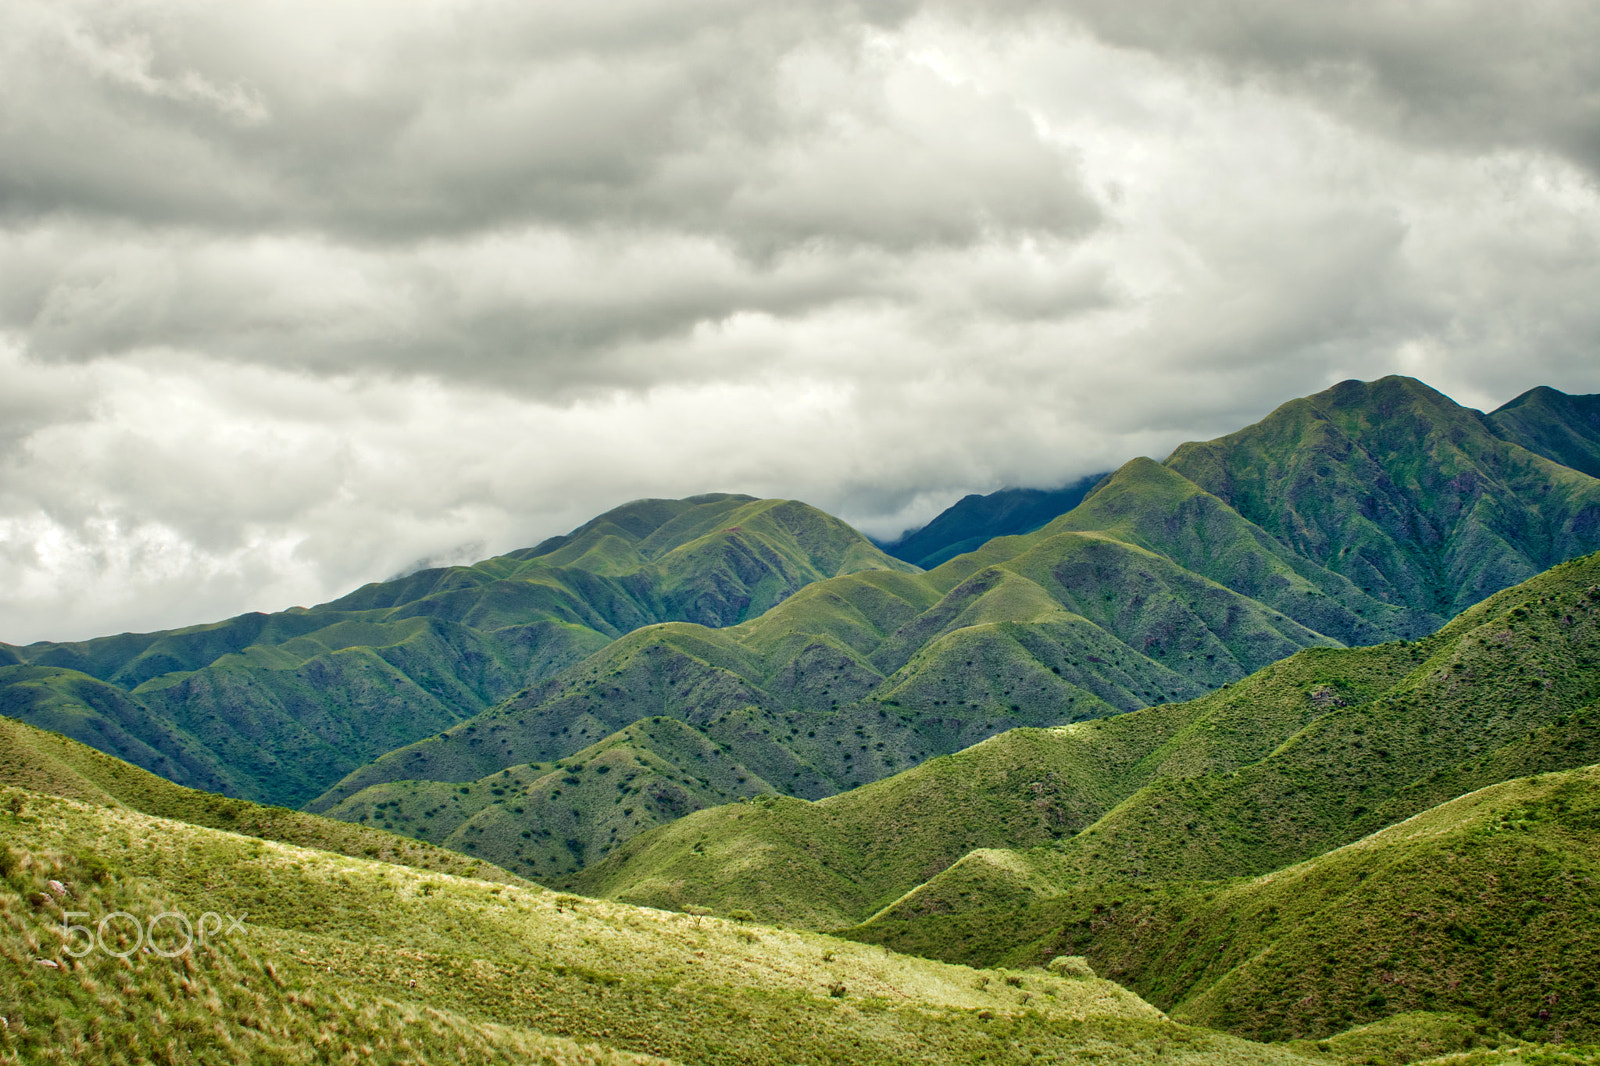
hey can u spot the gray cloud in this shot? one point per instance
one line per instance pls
(1469, 74)
(758, 125)
(299, 296)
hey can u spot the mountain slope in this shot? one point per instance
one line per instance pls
(850, 680)
(834, 862)
(1303, 756)
(278, 707)
(1153, 589)
(973, 520)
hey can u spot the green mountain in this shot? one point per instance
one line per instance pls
(1554, 425)
(860, 675)
(805, 661)
(833, 863)
(279, 707)
(343, 959)
(973, 520)
(1410, 496)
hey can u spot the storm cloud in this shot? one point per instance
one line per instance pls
(297, 297)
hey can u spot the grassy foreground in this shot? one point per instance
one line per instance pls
(345, 959)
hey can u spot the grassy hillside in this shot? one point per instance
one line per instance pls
(1502, 688)
(1305, 755)
(48, 762)
(343, 959)
(832, 863)
(1484, 905)
(974, 520)
(279, 707)
(1157, 587)
(1350, 517)
(547, 819)
(856, 678)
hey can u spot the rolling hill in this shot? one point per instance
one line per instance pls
(805, 662)
(1484, 905)
(47, 762)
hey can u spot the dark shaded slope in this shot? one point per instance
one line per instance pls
(1555, 425)
(973, 520)
(280, 706)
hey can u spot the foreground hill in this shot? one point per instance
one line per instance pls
(347, 959)
(278, 707)
(1304, 756)
(1153, 589)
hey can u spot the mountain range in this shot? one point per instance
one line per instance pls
(1293, 735)
(796, 658)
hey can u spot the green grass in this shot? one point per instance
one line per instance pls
(346, 959)
(1410, 1037)
(544, 820)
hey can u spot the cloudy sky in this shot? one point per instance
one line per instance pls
(297, 296)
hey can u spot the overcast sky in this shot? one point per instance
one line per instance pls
(298, 296)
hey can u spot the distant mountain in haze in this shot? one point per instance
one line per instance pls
(975, 519)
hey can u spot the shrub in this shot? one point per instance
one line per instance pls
(1071, 966)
